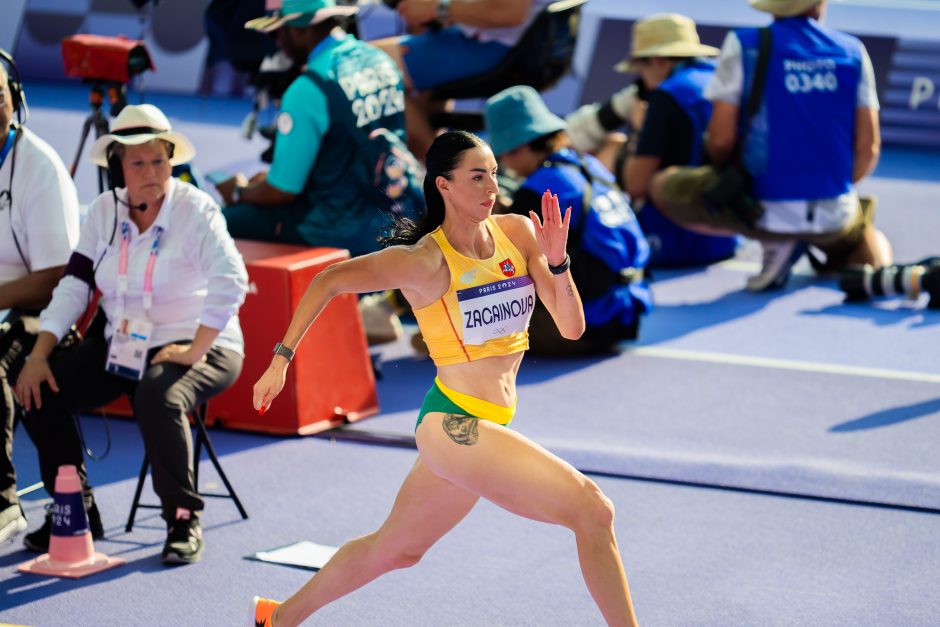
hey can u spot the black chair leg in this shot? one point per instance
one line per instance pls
(136, 502)
(203, 435)
(201, 439)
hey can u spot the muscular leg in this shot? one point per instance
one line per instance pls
(426, 508)
(524, 478)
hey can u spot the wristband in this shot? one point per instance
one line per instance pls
(283, 351)
(561, 268)
(237, 194)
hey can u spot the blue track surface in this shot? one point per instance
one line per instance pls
(729, 405)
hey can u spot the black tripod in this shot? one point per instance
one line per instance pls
(98, 120)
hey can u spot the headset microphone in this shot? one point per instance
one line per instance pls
(141, 207)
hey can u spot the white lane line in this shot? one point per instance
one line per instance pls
(783, 364)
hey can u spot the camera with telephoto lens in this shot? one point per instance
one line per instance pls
(106, 63)
(861, 283)
(104, 59)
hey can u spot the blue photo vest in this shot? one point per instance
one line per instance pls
(671, 244)
(364, 174)
(605, 242)
(800, 145)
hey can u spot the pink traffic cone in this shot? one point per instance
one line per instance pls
(71, 553)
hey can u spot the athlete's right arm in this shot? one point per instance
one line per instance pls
(405, 267)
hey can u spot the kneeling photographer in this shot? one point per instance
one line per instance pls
(803, 96)
(39, 224)
(608, 252)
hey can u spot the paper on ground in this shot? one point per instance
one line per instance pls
(304, 554)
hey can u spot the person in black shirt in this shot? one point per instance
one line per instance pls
(669, 113)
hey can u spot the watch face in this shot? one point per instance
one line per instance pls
(283, 351)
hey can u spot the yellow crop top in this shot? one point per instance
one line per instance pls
(485, 312)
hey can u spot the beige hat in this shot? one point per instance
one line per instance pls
(139, 124)
(784, 8)
(664, 35)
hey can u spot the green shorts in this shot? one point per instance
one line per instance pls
(441, 398)
(435, 400)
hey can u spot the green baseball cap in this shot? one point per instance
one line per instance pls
(297, 13)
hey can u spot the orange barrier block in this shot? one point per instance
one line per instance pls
(330, 381)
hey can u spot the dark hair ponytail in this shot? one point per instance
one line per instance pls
(443, 156)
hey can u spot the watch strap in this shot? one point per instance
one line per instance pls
(283, 351)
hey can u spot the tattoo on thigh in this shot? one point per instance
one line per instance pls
(462, 429)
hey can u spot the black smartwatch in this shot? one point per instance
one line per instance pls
(283, 351)
(562, 267)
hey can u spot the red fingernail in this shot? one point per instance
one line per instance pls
(263, 409)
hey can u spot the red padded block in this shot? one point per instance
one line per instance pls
(330, 381)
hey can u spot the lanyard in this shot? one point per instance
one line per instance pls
(148, 273)
(7, 145)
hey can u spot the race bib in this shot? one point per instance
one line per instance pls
(127, 354)
(496, 309)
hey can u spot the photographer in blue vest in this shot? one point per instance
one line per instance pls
(802, 138)
(607, 247)
(669, 113)
(341, 170)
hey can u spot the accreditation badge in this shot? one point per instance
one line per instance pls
(496, 309)
(127, 354)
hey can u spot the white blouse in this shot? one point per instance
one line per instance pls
(199, 277)
(44, 212)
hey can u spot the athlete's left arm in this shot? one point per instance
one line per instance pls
(544, 242)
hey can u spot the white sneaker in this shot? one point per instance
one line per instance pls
(379, 319)
(12, 522)
(779, 257)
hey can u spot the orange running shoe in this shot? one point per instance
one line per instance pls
(264, 611)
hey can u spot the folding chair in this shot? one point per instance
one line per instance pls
(202, 438)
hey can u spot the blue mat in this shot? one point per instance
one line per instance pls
(793, 393)
(694, 556)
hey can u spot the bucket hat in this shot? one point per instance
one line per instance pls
(516, 116)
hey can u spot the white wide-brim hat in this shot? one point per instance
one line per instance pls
(139, 124)
(784, 8)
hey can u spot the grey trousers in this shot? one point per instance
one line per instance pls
(162, 401)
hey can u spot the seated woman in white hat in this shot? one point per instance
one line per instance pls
(171, 283)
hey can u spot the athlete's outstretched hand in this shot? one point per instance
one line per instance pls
(552, 230)
(270, 384)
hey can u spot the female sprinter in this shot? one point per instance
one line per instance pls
(471, 278)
